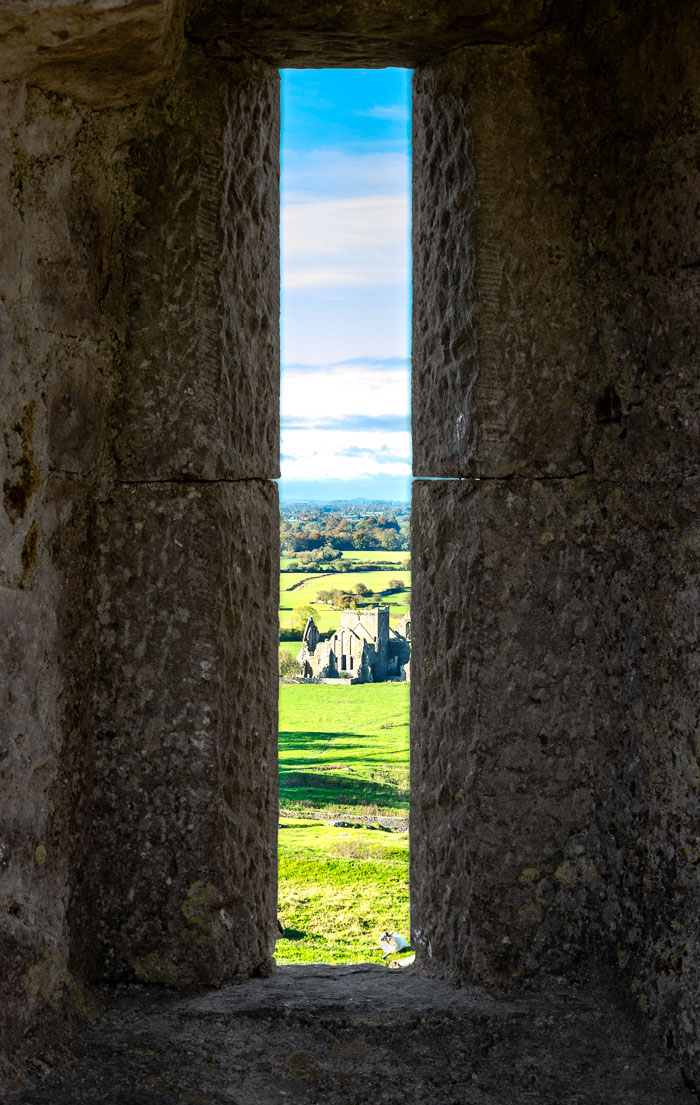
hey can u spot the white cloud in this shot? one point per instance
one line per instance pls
(335, 173)
(343, 454)
(345, 243)
(346, 421)
(342, 390)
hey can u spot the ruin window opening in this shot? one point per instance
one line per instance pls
(345, 401)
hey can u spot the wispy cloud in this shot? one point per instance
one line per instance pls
(362, 389)
(357, 423)
(373, 364)
(350, 448)
(396, 113)
(344, 243)
(375, 456)
(332, 172)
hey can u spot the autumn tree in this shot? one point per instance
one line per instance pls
(300, 616)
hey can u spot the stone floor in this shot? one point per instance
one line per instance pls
(359, 1035)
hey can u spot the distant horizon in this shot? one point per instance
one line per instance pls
(341, 502)
(337, 491)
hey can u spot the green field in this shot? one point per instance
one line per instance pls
(338, 890)
(343, 754)
(344, 747)
(301, 588)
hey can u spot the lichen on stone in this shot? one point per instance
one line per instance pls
(17, 492)
(155, 968)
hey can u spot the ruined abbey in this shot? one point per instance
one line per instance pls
(555, 764)
(364, 648)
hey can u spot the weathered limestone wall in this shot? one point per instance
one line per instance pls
(358, 33)
(555, 283)
(139, 416)
(58, 209)
(184, 744)
(102, 54)
(647, 228)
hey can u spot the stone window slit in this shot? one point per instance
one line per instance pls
(341, 662)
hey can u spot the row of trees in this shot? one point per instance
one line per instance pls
(313, 527)
(333, 566)
(361, 590)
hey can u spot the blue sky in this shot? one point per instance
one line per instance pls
(345, 283)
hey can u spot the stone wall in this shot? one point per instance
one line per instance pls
(554, 827)
(184, 742)
(59, 207)
(553, 393)
(139, 406)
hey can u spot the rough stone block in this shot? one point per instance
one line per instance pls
(551, 635)
(355, 34)
(499, 333)
(552, 330)
(101, 54)
(200, 365)
(184, 749)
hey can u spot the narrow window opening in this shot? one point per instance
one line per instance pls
(345, 517)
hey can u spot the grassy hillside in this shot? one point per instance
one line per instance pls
(301, 588)
(343, 747)
(338, 890)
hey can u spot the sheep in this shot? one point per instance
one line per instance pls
(391, 943)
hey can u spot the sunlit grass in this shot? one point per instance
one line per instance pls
(345, 747)
(338, 890)
(344, 751)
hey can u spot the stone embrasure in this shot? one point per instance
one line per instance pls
(553, 737)
(555, 701)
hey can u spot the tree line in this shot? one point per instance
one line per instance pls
(319, 528)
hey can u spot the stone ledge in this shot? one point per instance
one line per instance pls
(362, 1033)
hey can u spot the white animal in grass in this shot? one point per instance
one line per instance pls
(391, 943)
